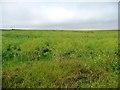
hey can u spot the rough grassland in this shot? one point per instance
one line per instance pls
(60, 59)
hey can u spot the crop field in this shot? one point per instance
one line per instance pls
(60, 59)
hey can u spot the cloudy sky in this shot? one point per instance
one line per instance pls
(59, 15)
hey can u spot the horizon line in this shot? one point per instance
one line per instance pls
(61, 29)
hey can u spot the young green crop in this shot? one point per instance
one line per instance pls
(60, 59)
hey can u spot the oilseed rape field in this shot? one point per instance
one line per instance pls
(60, 59)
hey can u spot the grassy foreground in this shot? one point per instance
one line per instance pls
(60, 59)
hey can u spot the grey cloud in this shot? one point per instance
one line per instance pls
(35, 15)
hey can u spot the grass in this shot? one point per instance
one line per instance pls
(60, 59)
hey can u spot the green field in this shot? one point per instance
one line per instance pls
(60, 59)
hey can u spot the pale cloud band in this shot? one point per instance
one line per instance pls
(59, 1)
(62, 15)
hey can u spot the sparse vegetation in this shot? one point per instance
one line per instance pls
(60, 59)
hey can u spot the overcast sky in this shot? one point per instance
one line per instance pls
(59, 15)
